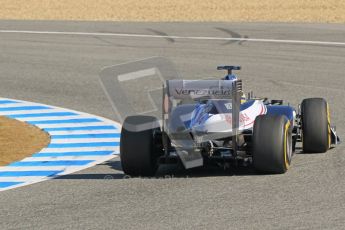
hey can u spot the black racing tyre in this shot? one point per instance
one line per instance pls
(272, 144)
(138, 150)
(316, 133)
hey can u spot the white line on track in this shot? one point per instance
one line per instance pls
(306, 42)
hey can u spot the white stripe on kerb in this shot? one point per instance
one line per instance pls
(20, 179)
(61, 158)
(52, 118)
(79, 149)
(72, 132)
(83, 140)
(16, 105)
(36, 168)
(31, 111)
(71, 125)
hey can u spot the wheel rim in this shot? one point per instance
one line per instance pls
(289, 148)
(288, 145)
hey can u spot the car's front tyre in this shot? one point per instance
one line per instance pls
(316, 132)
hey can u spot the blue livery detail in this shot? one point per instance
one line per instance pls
(288, 111)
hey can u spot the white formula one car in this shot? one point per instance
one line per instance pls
(212, 122)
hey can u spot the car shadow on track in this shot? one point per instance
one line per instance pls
(299, 151)
(207, 171)
(171, 171)
(93, 176)
(114, 165)
(166, 171)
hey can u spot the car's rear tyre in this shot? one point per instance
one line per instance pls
(316, 133)
(272, 144)
(138, 148)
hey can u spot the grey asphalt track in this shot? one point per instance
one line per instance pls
(62, 70)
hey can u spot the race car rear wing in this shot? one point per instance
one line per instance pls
(197, 90)
(200, 89)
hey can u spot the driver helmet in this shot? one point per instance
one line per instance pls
(231, 77)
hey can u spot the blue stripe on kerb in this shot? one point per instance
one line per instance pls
(29, 173)
(108, 127)
(99, 135)
(56, 114)
(70, 121)
(81, 145)
(23, 108)
(8, 184)
(2, 102)
(80, 153)
(51, 163)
